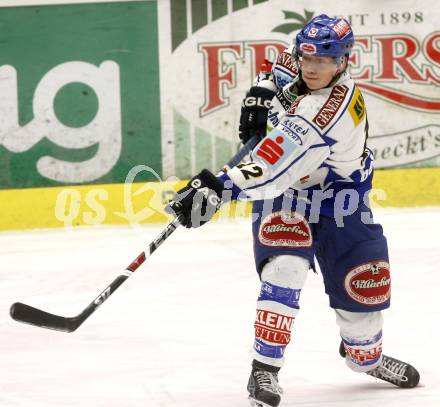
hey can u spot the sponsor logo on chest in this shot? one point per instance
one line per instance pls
(273, 117)
(294, 130)
(331, 106)
(295, 104)
(285, 103)
(270, 150)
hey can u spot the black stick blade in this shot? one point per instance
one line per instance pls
(34, 316)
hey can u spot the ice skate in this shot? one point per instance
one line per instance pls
(393, 371)
(264, 389)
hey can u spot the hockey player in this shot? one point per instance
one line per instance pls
(309, 179)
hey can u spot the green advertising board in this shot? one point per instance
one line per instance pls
(79, 93)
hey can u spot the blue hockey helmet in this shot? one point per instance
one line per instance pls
(325, 36)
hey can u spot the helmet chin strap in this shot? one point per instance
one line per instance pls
(342, 60)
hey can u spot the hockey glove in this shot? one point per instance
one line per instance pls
(197, 203)
(254, 110)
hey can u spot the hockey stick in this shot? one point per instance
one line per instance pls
(34, 316)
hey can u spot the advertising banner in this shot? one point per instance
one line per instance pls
(98, 97)
(211, 50)
(79, 93)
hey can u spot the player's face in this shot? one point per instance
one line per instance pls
(317, 72)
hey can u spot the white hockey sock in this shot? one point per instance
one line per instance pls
(361, 333)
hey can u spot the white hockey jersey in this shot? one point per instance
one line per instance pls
(318, 142)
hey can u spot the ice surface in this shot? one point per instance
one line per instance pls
(178, 332)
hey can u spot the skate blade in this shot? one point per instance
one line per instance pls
(256, 403)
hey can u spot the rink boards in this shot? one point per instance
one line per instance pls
(128, 93)
(142, 203)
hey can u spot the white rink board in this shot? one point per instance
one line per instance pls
(178, 332)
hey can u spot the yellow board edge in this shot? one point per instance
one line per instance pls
(409, 187)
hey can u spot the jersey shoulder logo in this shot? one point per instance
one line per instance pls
(357, 107)
(331, 106)
(286, 61)
(284, 69)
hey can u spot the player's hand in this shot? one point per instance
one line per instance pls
(254, 110)
(197, 203)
